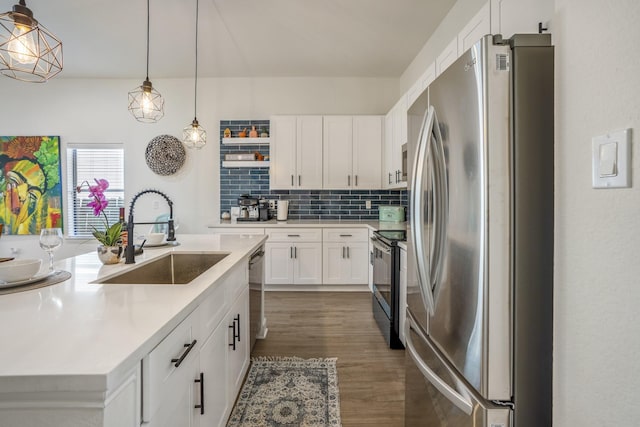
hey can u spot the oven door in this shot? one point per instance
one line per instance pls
(382, 275)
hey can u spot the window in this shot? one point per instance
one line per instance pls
(86, 163)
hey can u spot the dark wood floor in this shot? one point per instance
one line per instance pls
(340, 324)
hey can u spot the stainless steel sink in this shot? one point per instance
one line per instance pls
(171, 269)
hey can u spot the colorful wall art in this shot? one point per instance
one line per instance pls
(30, 183)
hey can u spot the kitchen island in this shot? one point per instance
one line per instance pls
(84, 353)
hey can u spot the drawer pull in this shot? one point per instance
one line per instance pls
(346, 235)
(188, 347)
(293, 235)
(201, 405)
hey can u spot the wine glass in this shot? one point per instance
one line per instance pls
(50, 240)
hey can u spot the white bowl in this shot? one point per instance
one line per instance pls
(154, 239)
(19, 269)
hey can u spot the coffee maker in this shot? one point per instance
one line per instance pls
(248, 208)
(252, 209)
(263, 209)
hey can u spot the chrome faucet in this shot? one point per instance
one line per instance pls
(129, 255)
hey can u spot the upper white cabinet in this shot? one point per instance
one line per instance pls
(476, 28)
(395, 138)
(509, 17)
(421, 84)
(352, 149)
(447, 57)
(296, 152)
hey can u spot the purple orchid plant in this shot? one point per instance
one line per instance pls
(111, 236)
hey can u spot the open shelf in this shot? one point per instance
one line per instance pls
(245, 164)
(246, 141)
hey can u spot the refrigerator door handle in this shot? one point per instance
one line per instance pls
(440, 205)
(453, 396)
(417, 211)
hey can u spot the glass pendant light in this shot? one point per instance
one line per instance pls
(145, 103)
(28, 51)
(194, 135)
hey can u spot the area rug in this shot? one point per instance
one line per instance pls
(288, 392)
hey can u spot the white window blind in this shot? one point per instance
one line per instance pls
(88, 164)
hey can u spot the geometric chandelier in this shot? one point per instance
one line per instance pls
(145, 103)
(28, 51)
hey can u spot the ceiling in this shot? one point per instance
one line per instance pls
(239, 38)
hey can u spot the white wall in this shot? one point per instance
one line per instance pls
(597, 271)
(95, 111)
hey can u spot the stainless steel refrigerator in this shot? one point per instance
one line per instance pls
(480, 291)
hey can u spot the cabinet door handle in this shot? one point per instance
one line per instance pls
(237, 318)
(348, 180)
(188, 347)
(295, 252)
(389, 177)
(356, 178)
(371, 258)
(298, 180)
(292, 180)
(293, 235)
(233, 344)
(201, 382)
(291, 252)
(348, 255)
(343, 252)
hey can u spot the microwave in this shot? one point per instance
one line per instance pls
(405, 163)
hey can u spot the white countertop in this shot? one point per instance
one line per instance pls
(311, 223)
(77, 335)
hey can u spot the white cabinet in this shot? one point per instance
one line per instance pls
(238, 344)
(395, 138)
(352, 152)
(168, 373)
(193, 376)
(509, 17)
(213, 366)
(476, 28)
(346, 256)
(421, 84)
(447, 57)
(296, 152)
(293, 256)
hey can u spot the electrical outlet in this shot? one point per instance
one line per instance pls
(367, 204)
(272, 203)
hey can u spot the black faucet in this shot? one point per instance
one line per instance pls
(129, 255)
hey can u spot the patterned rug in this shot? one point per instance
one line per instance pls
(288, 392)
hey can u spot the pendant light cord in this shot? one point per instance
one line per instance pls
(148, 39)
(195, 90)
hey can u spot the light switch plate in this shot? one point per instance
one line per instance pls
(611, 160)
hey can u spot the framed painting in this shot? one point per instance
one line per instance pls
(30, 184)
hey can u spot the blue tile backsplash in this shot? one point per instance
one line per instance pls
(303, 204)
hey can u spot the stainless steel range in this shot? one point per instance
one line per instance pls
(386, 283)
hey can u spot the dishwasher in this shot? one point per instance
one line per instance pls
(256, 295)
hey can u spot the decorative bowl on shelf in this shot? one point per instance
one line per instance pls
(19, 269)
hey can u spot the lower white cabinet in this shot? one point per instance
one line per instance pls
(193, 376)
(168, 373)
(346, 256)
(293, 256)
(237, 344)
(288, 263)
